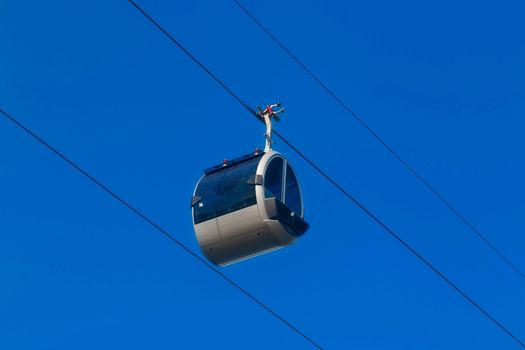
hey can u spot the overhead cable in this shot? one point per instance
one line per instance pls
(327, 177)
(396, 155)
(156, 226)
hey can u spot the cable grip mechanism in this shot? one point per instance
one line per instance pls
(266, 115)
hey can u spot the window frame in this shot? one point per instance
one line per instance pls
(265, 177)
(285, 165)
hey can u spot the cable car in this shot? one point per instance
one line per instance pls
(250, 205)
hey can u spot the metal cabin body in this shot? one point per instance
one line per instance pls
(247, 207)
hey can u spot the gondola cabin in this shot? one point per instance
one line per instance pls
(247, 207)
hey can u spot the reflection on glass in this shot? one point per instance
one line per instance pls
(273, 179)
(293, 196)
(225, 191)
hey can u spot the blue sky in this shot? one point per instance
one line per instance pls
(442, 83)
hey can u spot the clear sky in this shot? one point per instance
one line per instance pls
(443, 83)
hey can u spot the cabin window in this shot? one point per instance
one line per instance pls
(292, 196)
(225, 191)
(273, 179)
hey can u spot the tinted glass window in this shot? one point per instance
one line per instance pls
(225, 191)
(273, 179)
(209, 197)
(293, 196)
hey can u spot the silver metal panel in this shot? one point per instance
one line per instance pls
(207, 232)
(243, 247)
(240, 222)
(246, 257)
(280, 233)
(242, 236)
